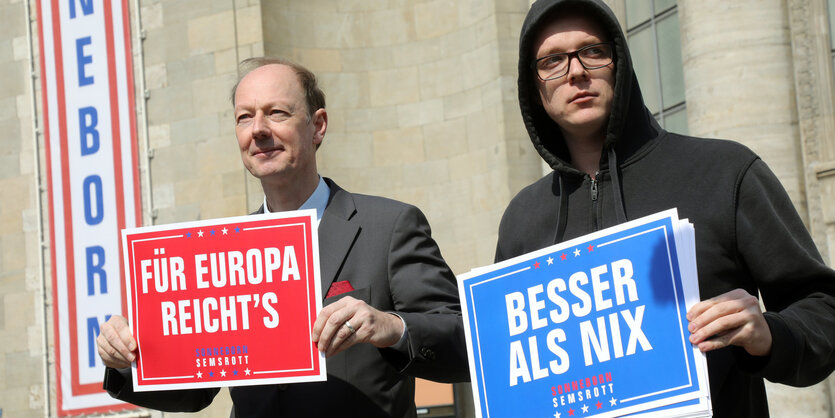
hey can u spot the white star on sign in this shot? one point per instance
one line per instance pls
(199, 375)
(550, 260)
(585, 408)
(223, 373)
(576, 252)
(200, 233)
(224, 230)
(557, 414)
(613, 401)
(247, 371)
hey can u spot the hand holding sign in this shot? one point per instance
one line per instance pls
(116, 344)
(732, 318)
(369, 325)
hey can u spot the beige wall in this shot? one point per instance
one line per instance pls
(190, 53)
(21, 304)
(422, 105)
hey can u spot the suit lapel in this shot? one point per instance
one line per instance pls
(337, 232)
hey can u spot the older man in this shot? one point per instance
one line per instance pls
(611, 161)
(400, 317)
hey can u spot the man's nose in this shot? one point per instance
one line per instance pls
(575, 68)
(259, 126)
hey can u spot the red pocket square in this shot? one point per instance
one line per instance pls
(338, 288)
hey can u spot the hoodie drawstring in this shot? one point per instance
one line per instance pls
(620, 211)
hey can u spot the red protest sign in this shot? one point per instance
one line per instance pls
(224, 302)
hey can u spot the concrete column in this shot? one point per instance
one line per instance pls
(739, 82)
(739, 72)
(813, 76)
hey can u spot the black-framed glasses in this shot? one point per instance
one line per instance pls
(591, 57)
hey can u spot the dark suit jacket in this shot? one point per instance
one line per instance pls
(384, 249)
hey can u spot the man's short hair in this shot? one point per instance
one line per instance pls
(313, 95)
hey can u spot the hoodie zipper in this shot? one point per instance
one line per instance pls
(593, 192)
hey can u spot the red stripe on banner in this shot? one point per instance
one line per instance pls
(137, 199)
(47, 152)
(65, 183)
(116, 407)
(115, 128)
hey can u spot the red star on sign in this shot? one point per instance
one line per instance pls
(536, 265)
(591, 248)
(599, 405)
(571, 412)
(563, 256)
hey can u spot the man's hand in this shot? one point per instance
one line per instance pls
(733, 318)
(116, 345)
(332, 333)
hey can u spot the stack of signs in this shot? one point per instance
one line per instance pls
(224, 302)
(592, 327)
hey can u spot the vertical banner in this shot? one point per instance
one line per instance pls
(91, 163)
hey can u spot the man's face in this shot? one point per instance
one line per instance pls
(580, 101)
(274, 135)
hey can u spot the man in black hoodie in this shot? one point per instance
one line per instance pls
(583, 110)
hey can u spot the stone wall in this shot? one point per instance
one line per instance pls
(421, 105)
(190, 54)
(21, 298)
(422, 108)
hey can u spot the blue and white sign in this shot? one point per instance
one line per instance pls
(591, 327)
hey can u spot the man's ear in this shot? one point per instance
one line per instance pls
(320, 126)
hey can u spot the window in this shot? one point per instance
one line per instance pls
(655, 43)
(830, 5)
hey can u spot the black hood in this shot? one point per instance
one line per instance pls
(629, 117)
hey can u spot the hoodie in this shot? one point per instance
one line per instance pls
(748, 233)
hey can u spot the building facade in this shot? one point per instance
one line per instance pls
(422, 108)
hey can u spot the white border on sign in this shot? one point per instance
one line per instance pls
(464, 287)
(316, 278)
